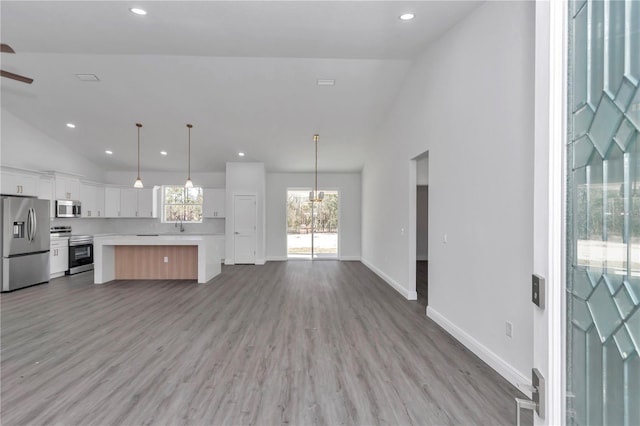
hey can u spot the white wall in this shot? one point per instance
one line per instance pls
(206, 180)
(468, 100)
(422, 168)
(245, 179)
(137, 226)
(23, 146)
(348, 185)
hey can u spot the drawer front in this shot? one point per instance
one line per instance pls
(59, 243)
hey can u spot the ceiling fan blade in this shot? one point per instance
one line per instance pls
(17, 77)
(5, 48)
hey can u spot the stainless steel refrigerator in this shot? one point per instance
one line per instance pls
(25, 242)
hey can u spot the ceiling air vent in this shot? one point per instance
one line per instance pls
(87, 77)
(326, 82)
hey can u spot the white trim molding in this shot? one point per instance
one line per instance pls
(409, 295)
(549, 202)
(277, 258)
(501, 366)
(350, 258)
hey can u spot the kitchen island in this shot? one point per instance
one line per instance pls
(163, 256)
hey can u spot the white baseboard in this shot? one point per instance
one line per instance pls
(276, 258)
(350, 258)
(409, 295)
(501, 366)
(285, 258)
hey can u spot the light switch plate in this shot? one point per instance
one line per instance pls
(538, 290)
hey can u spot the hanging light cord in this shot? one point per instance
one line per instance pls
(315, 194)
(189, 154)
(138, 125)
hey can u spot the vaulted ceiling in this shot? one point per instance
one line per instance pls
(244, 73)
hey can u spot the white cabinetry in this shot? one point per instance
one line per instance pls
(46, 192)
(128, 202)
(58, 257)
(112, 202)
(213, 203)
(136, 202)
(67, 188)
(145, 203)
(18, 183)
(92, 197)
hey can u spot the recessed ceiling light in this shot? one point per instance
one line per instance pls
(326, 82)
(87, 77)
(241, 154)
(138, 11)
(163, 152)
(407, 16)
(108, 152)
(71, 125)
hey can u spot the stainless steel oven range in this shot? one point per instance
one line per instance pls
(80, 254)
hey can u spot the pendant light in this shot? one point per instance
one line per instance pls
(188, 183)
(315, 196)
(138, 183)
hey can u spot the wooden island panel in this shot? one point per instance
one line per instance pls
(147, 262)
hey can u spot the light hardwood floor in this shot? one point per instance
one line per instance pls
(291, 343)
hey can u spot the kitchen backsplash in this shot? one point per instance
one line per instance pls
(137, 226)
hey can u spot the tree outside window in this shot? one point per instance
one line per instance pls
(182, 204)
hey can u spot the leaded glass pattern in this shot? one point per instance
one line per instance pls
(603, 280)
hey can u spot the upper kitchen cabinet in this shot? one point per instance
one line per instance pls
(128, 202)
(92, 197)
(213, 202)
(67, 187)
(136, 202)
(16, 182)
(111, 201)
(46, 192)
(145, 203)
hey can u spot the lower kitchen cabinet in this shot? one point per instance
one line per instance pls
(59, 257)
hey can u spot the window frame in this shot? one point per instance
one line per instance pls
(165, 204)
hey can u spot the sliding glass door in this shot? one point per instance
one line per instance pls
(312, 228)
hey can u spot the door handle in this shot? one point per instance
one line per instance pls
(34, 231)
(29, 225)
(523, 403)
(538, 393)
(237, 233)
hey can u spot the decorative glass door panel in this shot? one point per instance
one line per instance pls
(603, 282)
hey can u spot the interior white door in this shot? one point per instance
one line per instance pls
(244, 220)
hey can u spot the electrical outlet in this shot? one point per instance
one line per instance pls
(166, 259)
(509, 329)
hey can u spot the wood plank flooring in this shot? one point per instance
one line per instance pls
(287, 343)
(422, 282)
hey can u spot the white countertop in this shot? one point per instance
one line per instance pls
(153, 239)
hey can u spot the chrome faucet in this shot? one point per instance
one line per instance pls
(175, 225)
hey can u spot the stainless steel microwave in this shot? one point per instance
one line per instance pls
(68, 208)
